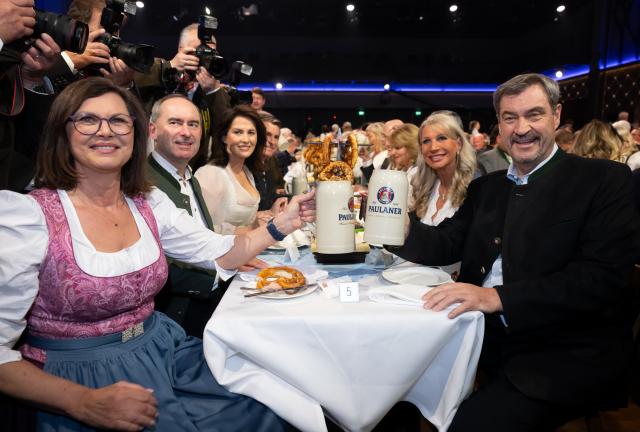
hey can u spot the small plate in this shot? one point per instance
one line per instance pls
(282, 295)
(423, 276)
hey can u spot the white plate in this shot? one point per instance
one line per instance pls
(423, 276)
(282, 295)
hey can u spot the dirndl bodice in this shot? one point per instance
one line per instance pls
(73, 304)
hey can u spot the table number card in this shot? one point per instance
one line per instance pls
(349, 292)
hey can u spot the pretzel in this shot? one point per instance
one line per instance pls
(314, 156)
(284, 277)
(336, 171)
(351, 151)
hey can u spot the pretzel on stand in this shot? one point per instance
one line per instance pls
(350, 155)
(320, 157)
(336, 171)
(280, 277)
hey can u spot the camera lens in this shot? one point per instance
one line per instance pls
(137, 57)
(68, 33)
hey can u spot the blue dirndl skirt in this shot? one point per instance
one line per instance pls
(164, 359)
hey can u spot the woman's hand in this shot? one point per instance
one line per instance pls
(122, 406)
(301, 209)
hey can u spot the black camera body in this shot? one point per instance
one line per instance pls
(210, 58)
(137, 56)
(174, 81)
(68, 33)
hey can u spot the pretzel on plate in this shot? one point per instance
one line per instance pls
(284, 277)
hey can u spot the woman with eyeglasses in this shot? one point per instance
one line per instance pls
(81, 259)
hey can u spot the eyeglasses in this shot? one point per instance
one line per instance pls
(90, 124)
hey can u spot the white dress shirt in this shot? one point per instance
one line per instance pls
(24, 239)
(185, 186)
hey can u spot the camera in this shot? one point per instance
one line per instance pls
(210, 58)
(238, 69)
(137, 57)
(69, 34)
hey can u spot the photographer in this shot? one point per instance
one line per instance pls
(25, 98)
(98, 58)
(202, 88)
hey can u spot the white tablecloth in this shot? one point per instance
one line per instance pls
(354, 360)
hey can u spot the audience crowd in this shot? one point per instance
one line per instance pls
(130, 166)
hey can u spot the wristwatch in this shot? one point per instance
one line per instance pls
(275, 233)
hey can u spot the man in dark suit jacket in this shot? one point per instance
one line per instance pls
(547, 252)
(189, 296)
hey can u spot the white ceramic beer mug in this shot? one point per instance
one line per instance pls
(386, 207)
(335, 221)
(298, 186)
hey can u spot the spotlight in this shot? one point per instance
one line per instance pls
(559, 74)
(561, 8)
(207, 10)
(279, 86)
(453, 8)
(140, 4)
(361, 113)
(386, 87)
(351, 7)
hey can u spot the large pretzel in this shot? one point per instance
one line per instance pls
(336, 171)
(284, 277)
(350, 155)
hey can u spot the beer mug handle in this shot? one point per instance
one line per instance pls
(288, 188)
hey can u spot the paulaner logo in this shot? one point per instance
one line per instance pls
(385, 195)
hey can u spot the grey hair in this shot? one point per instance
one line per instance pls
(155, 110)
(270, 118)
(424, 180)
(520, 83)
(184, 34)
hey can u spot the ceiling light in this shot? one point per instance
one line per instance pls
(351, 7)
(559, 74)
(207, 10)
(140, 4)
(561, 8)
(386, 87)
(453, 8)
(279, 86)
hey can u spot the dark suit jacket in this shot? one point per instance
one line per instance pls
(568, 241)
(186, 297)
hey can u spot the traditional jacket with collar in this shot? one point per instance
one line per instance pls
(568, 242)
(185, 282)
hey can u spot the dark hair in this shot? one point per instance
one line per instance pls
(258, 90)
(219, 155)
(520, 83)
(55, 168)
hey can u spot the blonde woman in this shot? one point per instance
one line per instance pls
(378, 154)
(445, 167)
(404, 149)
(599, 140)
